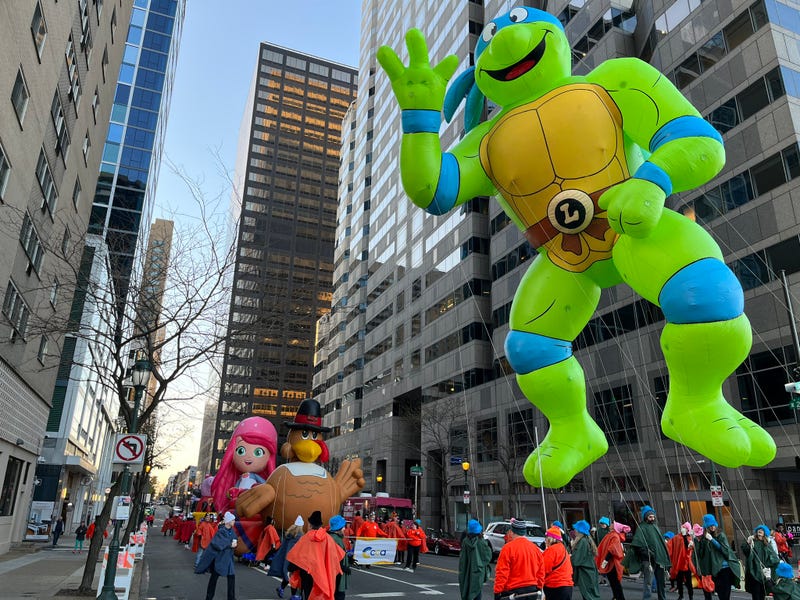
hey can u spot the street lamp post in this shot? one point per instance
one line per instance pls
(140, 375)
(465, 466)
(379, 480)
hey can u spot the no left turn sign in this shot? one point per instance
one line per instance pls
(129, 448)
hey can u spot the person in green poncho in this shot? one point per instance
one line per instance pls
(760, 562)
(715, 557)
(649, 554)
(786, 586)
(335, 530)
(584, 569)
(473, 562)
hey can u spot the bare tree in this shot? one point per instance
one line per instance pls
(174, 314)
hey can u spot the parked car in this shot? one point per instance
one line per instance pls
(495, 534)
(442, 542)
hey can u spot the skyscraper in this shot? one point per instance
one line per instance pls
(288, 162)
(123, 202)
(59, 61)
(438, 290)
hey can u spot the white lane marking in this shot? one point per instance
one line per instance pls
(423, 588)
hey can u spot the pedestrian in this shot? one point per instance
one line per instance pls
(786, 586)
(609, 558)
(760, 560)
(681, 554)
(416, 544)
(205, 533)
(336, 531)
(395, 531)
(557, 567)
(649, 554)
(782, 542)
(520, 565)
(80, 535)
(716, 558)
(603, 527)
(370, 528)
(317, 558)
(268, 543)
(584, 569)
(279, 567)
(358, 521)
(58, 529)
(217, 559)
(474, 562)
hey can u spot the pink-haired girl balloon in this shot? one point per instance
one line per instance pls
(248, 460)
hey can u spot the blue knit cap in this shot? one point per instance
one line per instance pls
(646, 510)
(764, 527)
(337, 522)
(582, 527)
(668, 535)
(605, 521)
(784, 571)
(709, 521)
(474, 526)
(558, 524)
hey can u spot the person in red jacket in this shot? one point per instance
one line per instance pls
(358, 521)
(557, 567)
(393, 529)
(520, 566)
(609, 558)
(268, 543)
(416, 543)
(680, 549)
(370, 528)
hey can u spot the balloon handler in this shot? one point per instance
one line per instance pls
(583, 166)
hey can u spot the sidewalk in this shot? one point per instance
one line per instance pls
(39, 570)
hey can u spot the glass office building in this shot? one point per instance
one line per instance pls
(288, 163)
(123, 202)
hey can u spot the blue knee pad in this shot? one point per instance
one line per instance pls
(527, 352)
(702, 292)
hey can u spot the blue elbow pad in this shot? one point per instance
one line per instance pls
(683, 127)
(528, 352)
(447, 188)
(705, 291)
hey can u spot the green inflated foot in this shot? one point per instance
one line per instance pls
(700, 356)
(567, 450)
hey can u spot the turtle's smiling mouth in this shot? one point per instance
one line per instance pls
(521, 67)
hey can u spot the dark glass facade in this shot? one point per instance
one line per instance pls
(289, 166)
(132, 152)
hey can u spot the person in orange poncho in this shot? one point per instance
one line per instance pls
(317, 558)
(269, 542)
(203, 534)
(557, 567)
(392, 529)
(681, 549)
(609, 558)
(358, 521)
(370, 528)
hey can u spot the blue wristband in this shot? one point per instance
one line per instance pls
(654, 174)
(421, 121)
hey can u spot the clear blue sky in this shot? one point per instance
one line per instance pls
(217, 58)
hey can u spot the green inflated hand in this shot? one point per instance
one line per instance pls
(634, 207)
(418, 86)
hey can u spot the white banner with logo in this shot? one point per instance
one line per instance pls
(374, 551)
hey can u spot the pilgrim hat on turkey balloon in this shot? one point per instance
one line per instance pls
(309, 416)
(306, 428)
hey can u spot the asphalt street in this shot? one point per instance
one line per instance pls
(169, 575)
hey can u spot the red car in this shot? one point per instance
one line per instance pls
(442, 542)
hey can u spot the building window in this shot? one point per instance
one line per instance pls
(31, 243)
(38, 29)
(20, 96)
(613, 411)
(113, 26)
(54, 292)
(5, 171)
(76, 193)
(104, 67)
(10, 491)
(65, 242)
(86, 31)
(95, 104)
(42, 352)
(60, 123)
(87, 144)
(98, 9)
(45, 178)
(487, 440)
(520, 433)
(16, 311)
(760, 380)
(72, 72)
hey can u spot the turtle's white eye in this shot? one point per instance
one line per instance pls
(489, 31)
(518, 15)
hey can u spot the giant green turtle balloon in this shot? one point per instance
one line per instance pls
(583, 166)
